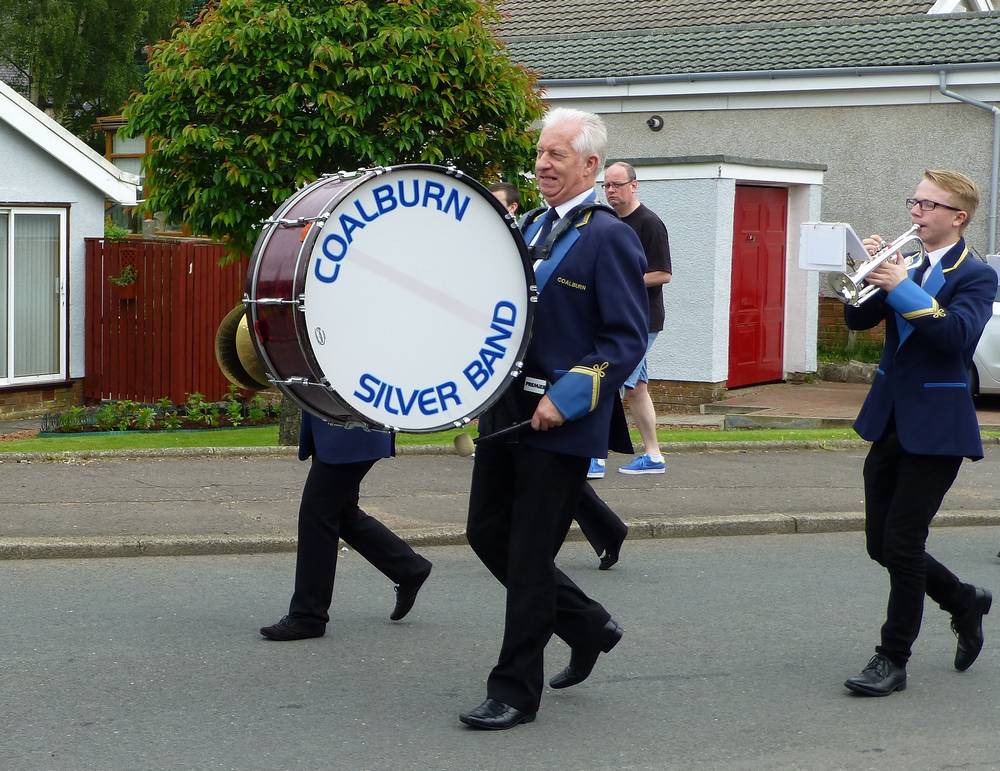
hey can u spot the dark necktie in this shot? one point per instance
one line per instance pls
(548, 220)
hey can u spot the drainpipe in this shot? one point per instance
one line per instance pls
(992, 227)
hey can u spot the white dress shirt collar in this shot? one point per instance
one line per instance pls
(933, 258)
(563, 209)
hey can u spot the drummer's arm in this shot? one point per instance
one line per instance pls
(546, 415)
(620, 343)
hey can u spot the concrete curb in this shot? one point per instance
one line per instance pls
(684, 527)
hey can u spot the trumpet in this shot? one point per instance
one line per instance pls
(852, 288)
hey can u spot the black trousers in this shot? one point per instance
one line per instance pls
(599, 523)
(329, 512)
(520, 508)
(902, 495)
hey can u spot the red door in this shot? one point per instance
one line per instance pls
(757, 299)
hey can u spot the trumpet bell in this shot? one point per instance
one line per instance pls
(235, 353)
(844, 288)
(853, 289)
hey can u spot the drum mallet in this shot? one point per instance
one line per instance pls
(465, 445)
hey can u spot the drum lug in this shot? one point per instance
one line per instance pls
(345, 175)
(274, 301)
(298, 223)
(295, 381)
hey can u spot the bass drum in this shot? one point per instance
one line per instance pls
(393, 298)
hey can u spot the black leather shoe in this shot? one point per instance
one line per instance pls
(968, 628)
(493, 715)
(406, 594)
(880, 678)
(582, 662)
(292, 629)
(610, 556)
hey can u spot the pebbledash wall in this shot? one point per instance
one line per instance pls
(874, 156)
(874, 152)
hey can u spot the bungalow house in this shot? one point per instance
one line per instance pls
(745, 119)
(53, 190)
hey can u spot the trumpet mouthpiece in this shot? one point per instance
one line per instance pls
(464, 445)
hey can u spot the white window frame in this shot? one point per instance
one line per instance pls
(61, 375)
(960, 6)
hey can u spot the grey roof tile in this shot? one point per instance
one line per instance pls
(15, 78)
(868, 42)
(534, 17)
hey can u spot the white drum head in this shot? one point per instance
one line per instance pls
(416, 300)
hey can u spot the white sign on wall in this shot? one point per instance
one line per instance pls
(827, 246)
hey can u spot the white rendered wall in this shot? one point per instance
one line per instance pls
(698, 213)
(29, 176)
(801, 286)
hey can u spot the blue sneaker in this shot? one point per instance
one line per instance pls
(644, 465)
(596, 468)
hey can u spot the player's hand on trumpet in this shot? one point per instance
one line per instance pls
(873, 243)
(890, 273)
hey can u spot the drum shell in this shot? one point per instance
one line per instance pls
(277, 272)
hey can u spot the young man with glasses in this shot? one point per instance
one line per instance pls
(620, 186)
(921, 421)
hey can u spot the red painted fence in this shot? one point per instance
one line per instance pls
(155, 337)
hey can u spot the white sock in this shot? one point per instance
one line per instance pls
(655, 458)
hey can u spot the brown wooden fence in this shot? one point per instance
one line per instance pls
(155, 337)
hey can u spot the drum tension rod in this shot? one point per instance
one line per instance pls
(298, 223)
(275, 301)
(346, 175)
(295, 381)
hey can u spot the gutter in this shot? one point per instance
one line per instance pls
(694, 77)
(992, 227)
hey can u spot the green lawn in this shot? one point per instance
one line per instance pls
(267, 436)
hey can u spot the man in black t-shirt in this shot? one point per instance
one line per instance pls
(620, 186)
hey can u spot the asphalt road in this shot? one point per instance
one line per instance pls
(734, 655)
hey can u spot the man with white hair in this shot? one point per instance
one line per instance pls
(588, 336)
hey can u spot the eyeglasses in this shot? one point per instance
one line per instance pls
(616, 185)
(926, 205)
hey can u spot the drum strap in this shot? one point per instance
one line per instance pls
(573, 217)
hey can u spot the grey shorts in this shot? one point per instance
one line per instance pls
(641, 372)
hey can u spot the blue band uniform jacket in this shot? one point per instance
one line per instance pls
(589, 334)
(931, 335)
(336, 444)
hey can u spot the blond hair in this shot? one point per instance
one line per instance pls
(964, 191)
